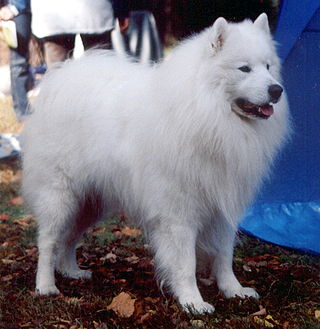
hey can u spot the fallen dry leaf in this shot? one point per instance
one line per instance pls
(262, 312)
(98, 230)
(122, 305)
(139, 309)
(111, 257)
(9, 176)
(145, 317)
(257, 264)
(32, 293)
(74, 300)
(7, 261)
(63, 320)
(128, 231)
(4, 216)
(152, 300)
(32, 252)
(247, 268)
(17, 201)
(197, 323)
(132, 259)
(268, 321)
(29, 219)
(286, 325)
(26, 325)
(21, 222)
(317, 314)
(5, 245)
(6, 278)
(263, 322)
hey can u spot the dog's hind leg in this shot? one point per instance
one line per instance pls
(54, 209)
(90, 210)
(67, 259)
(222, 242)
(174, 245)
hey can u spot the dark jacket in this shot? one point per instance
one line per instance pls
(120, 8)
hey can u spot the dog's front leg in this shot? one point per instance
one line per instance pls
(223, 242)
(174, 246)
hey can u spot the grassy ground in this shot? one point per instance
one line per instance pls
(8, 123)
(123, 268)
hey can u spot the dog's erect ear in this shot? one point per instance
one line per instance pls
(262, 23)
(218, 33)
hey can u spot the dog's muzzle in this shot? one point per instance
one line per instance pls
(243, 107)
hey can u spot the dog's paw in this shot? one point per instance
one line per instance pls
(248, 292)
(242, 292)
(198, 308)
(77, 274)
(47, 290)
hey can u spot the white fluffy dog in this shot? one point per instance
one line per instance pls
(181, 146)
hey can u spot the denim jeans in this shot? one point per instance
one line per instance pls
(21, 80)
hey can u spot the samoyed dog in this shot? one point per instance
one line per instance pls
(181, 146)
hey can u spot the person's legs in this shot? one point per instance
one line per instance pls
(21, 80)
(102, 41)
(58, 48)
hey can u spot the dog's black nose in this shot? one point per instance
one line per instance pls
(275, 92)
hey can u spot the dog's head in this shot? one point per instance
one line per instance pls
(244, 56)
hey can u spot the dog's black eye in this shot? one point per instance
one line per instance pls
(245, 69)
(268, 67)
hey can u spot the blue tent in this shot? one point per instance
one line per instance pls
(287, 211)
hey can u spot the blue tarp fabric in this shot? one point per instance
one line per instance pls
(287, 211)
(9, 145)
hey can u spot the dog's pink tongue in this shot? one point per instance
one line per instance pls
(267, 110)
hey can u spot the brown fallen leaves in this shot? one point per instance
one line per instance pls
(126, 306)
(123, 305)
(9, 176)
(128, 231)
(16, 201)
(267, 322)
(123, 275)
(4, 216)
(8, 277)
(261, 312)
(262, 318)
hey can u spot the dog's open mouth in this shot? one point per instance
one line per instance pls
(249, 109)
